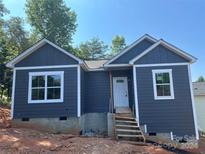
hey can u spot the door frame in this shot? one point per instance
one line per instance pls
(126, 80)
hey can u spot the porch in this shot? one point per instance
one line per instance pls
(121, 90)
(122, 105)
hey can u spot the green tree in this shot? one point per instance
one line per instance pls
(93, 49)
(17, 35)
(4, 54)
(7, 52)
(13, 38)
(52, 19)
(3, 9)
(118, 43)
(201, 79)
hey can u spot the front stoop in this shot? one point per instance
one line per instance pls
(126, 128)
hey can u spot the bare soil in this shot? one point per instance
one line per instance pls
(24, 140)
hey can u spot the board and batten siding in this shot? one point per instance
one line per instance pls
(97, 92)
(45, 110)
(165, 116)
(82, 77)
(45, 56)
(135, 51)
(160, 54)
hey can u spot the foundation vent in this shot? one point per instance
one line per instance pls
(63, 118)
(25, 119)
(152, 134)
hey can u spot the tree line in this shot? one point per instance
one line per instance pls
(51, 19)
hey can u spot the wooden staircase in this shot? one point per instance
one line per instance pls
(126, 127)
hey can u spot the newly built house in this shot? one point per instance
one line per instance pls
(145, 89)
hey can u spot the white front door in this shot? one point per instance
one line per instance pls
(120, 92)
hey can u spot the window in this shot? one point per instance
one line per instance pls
(163, 84)
(45, 87)
(120, 81)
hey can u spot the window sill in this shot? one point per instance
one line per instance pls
(45, 101)
(164, 98)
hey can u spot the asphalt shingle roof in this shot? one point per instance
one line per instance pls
(95, 64)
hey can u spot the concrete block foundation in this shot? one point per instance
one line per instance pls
(94, 124)
(89, 124)
(53, 125)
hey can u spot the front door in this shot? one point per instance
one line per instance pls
(120, 92)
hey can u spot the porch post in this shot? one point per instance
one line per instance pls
(135, 94)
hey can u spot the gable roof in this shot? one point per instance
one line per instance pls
(172, 48)
(126, 49)
(199, 88)
(37, 46)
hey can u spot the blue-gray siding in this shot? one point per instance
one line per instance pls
(97, 92)
(46, 55)
(67, 108)
(164, 116)
(136, 50)
(82, 91)
(160, 54)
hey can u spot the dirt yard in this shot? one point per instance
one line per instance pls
(22, 140)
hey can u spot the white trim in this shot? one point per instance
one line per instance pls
(156, 97)
(171, 136)
(193, 103)
(136, 96)
(94, 70)
(13, 93)
(146, 36)
(171, 47)
(117, 65)
(57, 66)
(145, 128)
(61, 73)
(79, 92)
(35, 47)
(161, 64)
(45, 67)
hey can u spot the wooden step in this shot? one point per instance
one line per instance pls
(131, 126)
(131, 136)
(126, 121)
(122, 117)
(128, 130)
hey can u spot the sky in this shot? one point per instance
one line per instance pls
(179, 22)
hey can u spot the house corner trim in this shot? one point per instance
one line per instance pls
(13, 93)
(79, 92)
(193, 103)
(135, 95)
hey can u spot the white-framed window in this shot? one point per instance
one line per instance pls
(46, 87)
(163, 84)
